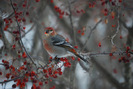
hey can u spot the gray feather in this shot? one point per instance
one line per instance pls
(60, 41)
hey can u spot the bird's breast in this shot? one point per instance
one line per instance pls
(47, 46)
(55, 50)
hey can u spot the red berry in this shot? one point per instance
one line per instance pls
(24, 28)
(106, 9)
(99, 44)
(3, 61)
(113, 3)
(103, 3)
(60, 16)
(128, 48)
(110, 54)
(7, 75)
(51, 1)
(15, 4)
(50, 57)
(24, 55)
(82, 11)
(27, 13)
(25, 62)
(120, 37)
(0, 73)
(37, 0)
(90, 5)
(60, 73)
(40, 83)
(78, 11)
(38, 87)
(14, 86)
(82, 33)
(115, 71)
(119, 60)
(73, 58)
(79, 31)
(78, 59)
(14, 46)
(24, 5)
(46, 82)
(76, 47)
(120, 0)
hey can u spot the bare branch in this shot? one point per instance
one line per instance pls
(124, 24)
(118, 27)
(29, 30)
(71, 21)
(91, 30)
(12, 79)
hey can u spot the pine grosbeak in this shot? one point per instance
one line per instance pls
(57, 46)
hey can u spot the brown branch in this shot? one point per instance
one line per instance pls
(11, 79)
(107, 53)
(90, 34)
(124, 24)
(2, 64)
(28, 30)
(71, 21)
(127, 76)
(117, 31)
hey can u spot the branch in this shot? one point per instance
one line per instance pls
(22, 45)
(71, 21)
(90, 34)
(11, 79)
(107, 53)
(28, 30)
(2, 64)
(123, 23)
(118, 27)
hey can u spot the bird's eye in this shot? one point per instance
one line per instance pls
(47, 31)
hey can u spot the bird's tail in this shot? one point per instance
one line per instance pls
(78, 55)
(72, 50)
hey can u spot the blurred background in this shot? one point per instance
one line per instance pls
(101, 29)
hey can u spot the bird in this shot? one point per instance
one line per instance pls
(57, 46)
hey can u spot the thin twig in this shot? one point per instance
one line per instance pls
(90, 34)
(11, 79)
(28, 30)
(124, 24)
(107, 53)
(2, 64)
(118, 27)
(71, 21)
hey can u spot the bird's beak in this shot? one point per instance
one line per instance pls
(46, 34)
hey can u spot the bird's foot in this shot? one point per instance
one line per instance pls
(56, 59)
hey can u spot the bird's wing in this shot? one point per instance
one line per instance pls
(59, 40)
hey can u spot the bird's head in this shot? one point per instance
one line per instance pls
(49, 31)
